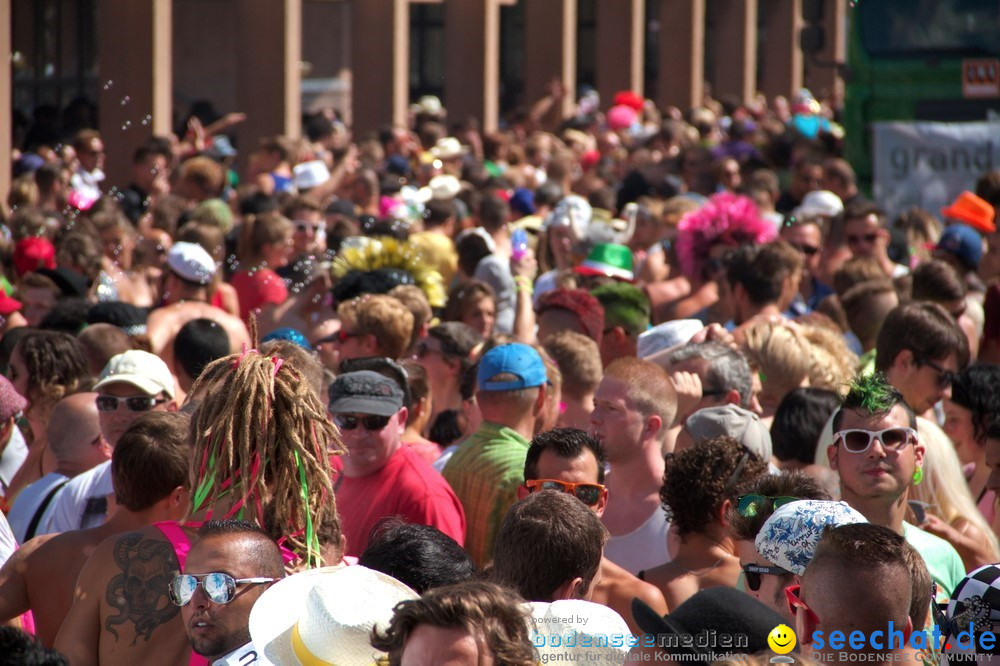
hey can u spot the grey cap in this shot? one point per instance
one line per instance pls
(365, 392)
(731, 421)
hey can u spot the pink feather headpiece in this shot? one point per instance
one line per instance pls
(727, 219)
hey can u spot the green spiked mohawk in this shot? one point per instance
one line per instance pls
(872, 393)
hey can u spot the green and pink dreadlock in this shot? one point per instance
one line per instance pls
(262, 441)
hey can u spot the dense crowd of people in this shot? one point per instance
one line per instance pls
(580, 389)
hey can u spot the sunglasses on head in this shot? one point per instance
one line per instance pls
(135, 403)
(220, 588)
(753, 572)
(588, 493)
(749, 506)
(371, 423)
(858, 441)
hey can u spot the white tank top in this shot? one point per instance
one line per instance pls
(644, 548)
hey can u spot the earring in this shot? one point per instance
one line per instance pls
(918, 476)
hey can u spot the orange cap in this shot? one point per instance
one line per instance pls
(972, 210)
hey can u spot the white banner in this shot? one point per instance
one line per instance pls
(929, 164)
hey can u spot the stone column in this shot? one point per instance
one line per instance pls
(682, 53)
(135, 93)
(472, 60)
(380, 63)
(781, 73)
(820, 78)
(621, 39)
(6, 93)
(269, 80)
(550, 49)
(735, 48)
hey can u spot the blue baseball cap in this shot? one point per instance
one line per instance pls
(964, 243)
(515, 359)
(289, 335)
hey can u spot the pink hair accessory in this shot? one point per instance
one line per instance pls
(726, 219)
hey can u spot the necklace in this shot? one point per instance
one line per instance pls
(700, 572)
(705, 570)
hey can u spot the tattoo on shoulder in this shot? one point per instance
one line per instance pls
(139, 593)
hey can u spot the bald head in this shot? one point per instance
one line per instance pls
(75, 432)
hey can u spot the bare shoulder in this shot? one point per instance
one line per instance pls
(623, 585)
(134, 570)
(77, 545)
(30, 546)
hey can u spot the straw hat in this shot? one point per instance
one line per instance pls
(325, 616)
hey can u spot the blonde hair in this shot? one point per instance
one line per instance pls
(579, 360)
(780, 353)
(649, 388)
(831, 361)
(383, 316)
(415, 300)
(944, 486)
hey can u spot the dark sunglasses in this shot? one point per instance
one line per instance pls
(424, 350)
(753, 572)
(867, 238)
(220, 588)
(137, 403)
(749, 506)
(945, 377)
(588, 493)
(343, 336)
(807, 250)
(371, 423)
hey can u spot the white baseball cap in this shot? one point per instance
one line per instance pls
(819, 202)
(147, 372)
(191, 262)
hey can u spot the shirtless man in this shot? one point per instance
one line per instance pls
(250, 408)
(634, 405)
(190, 269)
(156, 440)
(570, 456)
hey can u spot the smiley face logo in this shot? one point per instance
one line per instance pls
(781, 639)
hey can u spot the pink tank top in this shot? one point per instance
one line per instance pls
(182, 545)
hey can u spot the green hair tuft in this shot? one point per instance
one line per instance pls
(872, 393)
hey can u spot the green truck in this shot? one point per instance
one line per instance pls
(919, 60)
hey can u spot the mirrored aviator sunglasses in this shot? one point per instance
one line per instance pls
(749, 506)
(220, 588)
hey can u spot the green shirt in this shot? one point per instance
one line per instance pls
(943, 561)
(485, 472)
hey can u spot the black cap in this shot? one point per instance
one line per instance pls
(725, 610)
(70, 282)
(365, 392)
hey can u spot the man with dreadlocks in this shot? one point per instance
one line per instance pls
(261, 444)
